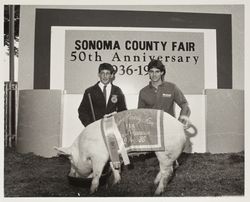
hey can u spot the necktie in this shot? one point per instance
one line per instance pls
(105, 92)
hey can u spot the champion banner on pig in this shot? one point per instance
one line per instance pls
(135, 130)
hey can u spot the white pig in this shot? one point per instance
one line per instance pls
(89, 154)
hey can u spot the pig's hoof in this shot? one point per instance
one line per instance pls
(93, 190)
(176, 164)
(157, 179)
(107, 185)
(156, 182)
(117, 180)
(158, 191)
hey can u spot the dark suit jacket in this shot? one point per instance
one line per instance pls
(116, 103)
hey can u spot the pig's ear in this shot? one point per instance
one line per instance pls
(63, 151)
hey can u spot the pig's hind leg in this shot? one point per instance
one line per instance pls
(166, 171)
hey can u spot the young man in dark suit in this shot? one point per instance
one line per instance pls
(102, 98)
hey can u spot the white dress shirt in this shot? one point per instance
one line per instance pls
(108, 90)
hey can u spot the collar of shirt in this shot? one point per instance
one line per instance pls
(154, 88)
(108, 89)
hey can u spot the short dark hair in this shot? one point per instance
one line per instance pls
(106, 66)
(156, 64)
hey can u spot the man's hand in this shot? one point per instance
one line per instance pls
(185, 121)
(109, 115)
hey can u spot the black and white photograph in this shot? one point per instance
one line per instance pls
(120, 100)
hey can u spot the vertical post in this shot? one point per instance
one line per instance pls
(10, 88)
(6, 128)
(10, 113)
(11, 40)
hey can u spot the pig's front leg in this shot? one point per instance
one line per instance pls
(116, 172)
(98, 166)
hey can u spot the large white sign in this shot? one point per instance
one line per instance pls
(82, 49)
